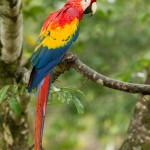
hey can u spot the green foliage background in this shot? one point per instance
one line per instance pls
(114, 42)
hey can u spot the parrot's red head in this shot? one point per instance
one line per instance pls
(87, 6)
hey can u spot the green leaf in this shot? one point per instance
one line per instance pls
(15, 89)
(79, 105)
(55, 89)
(15, 106)
(3, 92)
(64, 97)
(74, 89)
(23, 90)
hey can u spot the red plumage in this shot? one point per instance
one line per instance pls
(52, 46)
(64, 15)
(40, 110)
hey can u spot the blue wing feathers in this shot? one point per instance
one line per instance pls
(44, 60)
(43, 55)
(46, 56)
(40, 73)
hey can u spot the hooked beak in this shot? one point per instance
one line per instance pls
(91, 9)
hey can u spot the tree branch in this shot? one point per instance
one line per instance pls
(11, 29)
(71, 61)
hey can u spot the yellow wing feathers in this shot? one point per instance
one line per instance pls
(58, 37)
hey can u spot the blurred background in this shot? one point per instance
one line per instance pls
(115, 43)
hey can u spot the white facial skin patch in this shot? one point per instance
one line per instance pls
(85, 4)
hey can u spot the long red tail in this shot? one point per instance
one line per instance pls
(42, 96)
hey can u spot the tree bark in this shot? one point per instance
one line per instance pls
(13, 129)
(11, 30)
(138, 135)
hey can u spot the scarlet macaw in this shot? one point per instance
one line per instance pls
(58, 33)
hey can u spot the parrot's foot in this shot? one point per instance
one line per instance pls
(69, 58)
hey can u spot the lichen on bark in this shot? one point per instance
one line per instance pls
(11, 29)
